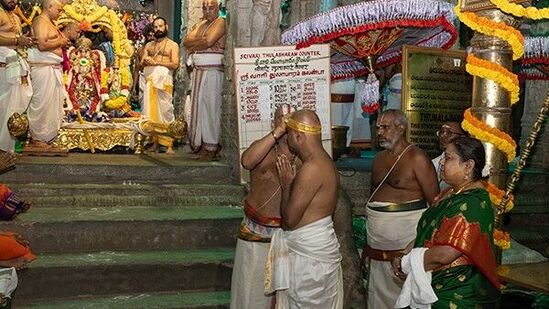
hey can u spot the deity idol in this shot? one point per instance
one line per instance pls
(84, 79)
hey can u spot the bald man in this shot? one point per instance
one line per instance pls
(46, 107)
(448, 132)
(205, 45)
(304, 259)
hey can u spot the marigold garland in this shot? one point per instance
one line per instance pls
(485, 133)
(496, 195)
(498, 29)
(502, 239)
(486, 69)
(520, 11)
(69, 10)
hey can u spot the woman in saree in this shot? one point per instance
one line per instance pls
(455, 234)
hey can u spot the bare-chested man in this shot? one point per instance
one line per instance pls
(304, 261)
(405, 181)
(46, 108)
(262, 209)
(205, 45)
(15, 88)
(160, 60)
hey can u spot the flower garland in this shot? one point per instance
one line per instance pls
(35, 10)
(70, 11)
(520, 11)
(486, 69)
(498, 29)
(485, 133)
(496, 195)
(502, 239)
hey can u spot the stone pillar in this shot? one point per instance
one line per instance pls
(535, 93)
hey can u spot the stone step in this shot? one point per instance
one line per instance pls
(125, 189)
(108, 168)
(534, 237)
(89, 274)
(174, 300)
(89, 229)
(160, 199)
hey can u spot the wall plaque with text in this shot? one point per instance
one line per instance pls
(435, 89)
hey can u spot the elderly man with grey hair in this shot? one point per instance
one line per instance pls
(404, 182)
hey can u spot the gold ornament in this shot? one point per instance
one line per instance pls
(18, 125)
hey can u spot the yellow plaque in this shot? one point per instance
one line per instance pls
(435, 89)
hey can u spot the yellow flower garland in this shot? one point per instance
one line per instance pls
(520, 11)
(496, 195)
(498, 29)
(485, 133)
(502, 239)
(486, 69)
(69, 10)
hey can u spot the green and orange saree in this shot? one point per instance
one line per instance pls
(465, 222)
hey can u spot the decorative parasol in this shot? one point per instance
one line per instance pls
(372, 32)
(535, 62)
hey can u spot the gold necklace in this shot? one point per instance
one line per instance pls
(462, 187)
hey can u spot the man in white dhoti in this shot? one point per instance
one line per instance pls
(205, 45)
(46, 107)
(160, 59)
(262, 210)
(405, 181)
(15, 85)
(304, 262)
(343, 98)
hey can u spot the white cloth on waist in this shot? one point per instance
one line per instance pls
(304, 267)
(46, 107)
(160, 107)
(14, 95)
(248, 276)
(206, 99)
(387, 231)
(416, 291)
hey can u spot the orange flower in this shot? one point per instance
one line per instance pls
(485, 133)
(85, 25)
(502, 239)
(486, 69)
(496, 195)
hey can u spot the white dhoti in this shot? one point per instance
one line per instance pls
(387, 231)
(158, 98)
(248, 276)
(361, 122)
(46, 106)
(15, 92)
(304, 267)
(206, 100)
(343, 97)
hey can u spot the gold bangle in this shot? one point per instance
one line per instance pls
(274, 136)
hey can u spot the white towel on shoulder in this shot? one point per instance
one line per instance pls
(416, 291)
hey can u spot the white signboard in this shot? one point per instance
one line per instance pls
(267, 77)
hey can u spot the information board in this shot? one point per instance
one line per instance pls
(435, 89)
(267, 77)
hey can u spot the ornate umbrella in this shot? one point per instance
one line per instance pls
(372, 33)
(535, 62)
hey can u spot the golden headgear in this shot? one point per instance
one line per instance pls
(303, 127)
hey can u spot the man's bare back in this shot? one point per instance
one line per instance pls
(310, 194)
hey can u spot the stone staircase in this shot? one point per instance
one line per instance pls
(126, 231)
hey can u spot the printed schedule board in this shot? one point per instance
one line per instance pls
(435, 89)
(267, 77)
